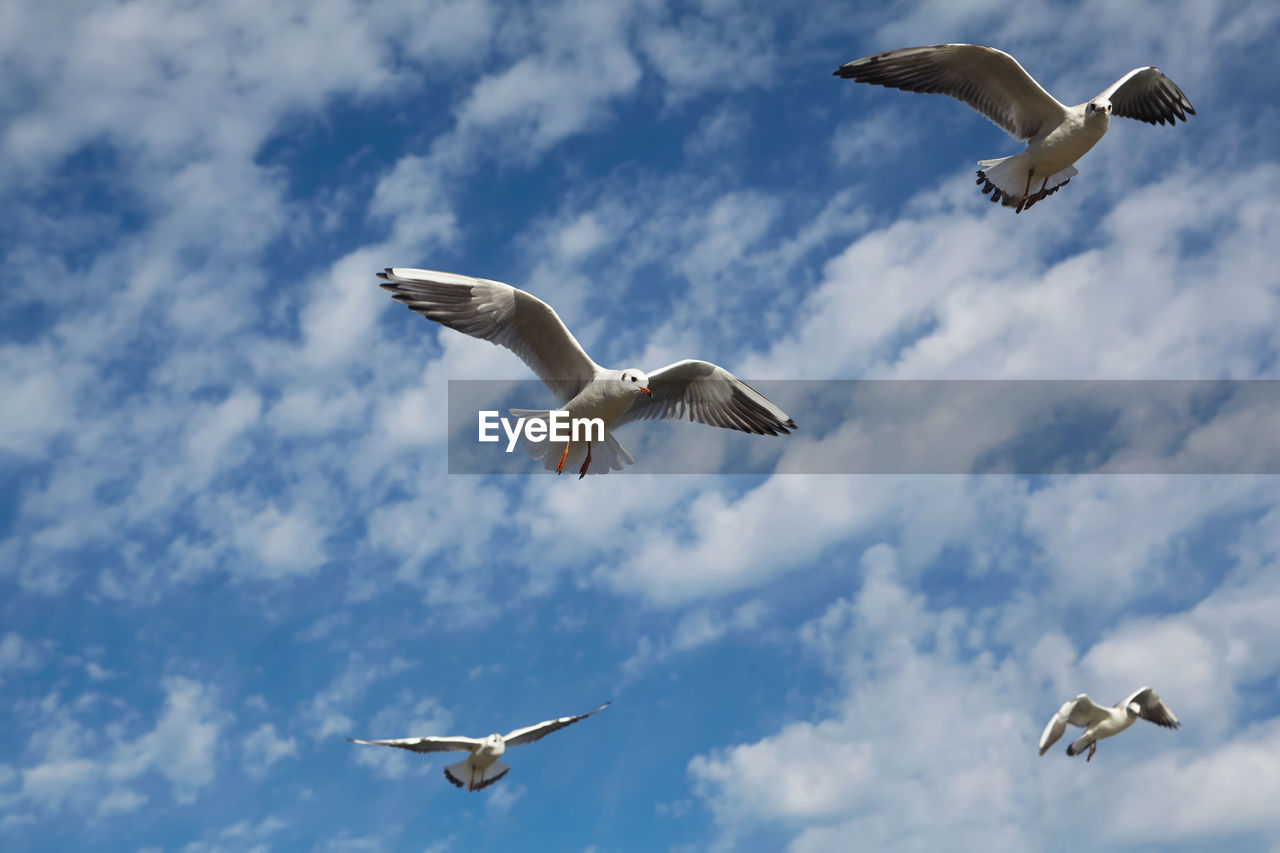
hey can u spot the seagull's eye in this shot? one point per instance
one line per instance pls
(633, 379)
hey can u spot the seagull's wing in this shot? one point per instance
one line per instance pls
(707, 393)
(1080, 711)
(1153, 708)
(529, 734)
(427, 744)
(1057, 725)
(500, 314)
(989, 80)
(1085, 712)
(1148, 95)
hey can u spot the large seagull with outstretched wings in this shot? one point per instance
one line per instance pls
(481, 768)
(507, 316)
(1099, 722)
(993, 83)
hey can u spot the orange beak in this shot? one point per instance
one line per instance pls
(646, 392)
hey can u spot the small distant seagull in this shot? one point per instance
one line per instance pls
(482, 768)
(993, 83)
(529, 327)
(1099, 722)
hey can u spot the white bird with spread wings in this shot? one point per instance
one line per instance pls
(481, 768)
(993, 83)
(529, 327)
(1099, 722)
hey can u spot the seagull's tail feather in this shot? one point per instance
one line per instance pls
(607, 455)
(459, 774)
(464, 774)
(1006, 180)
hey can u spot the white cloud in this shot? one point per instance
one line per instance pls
(51, 783)
(182, 746)
(698, 627)
(18, 655)
(37, 399)
(243, 835)
(717, 131)
(933, 709)
(230, 74)
(218, 427)
(286, 543)
(561, 87)
(121, 800)
(326, 712)
(80, 769)
(741, 541)
(926, 719)
(1127, 535)
(711, 48)
(1209, 794)
(263, 747)
(866, 143)
(502, 798)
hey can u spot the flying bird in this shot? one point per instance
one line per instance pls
(481, 768)
(501, 314)
(993, 83)
(1099, 722)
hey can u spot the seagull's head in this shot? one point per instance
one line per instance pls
(494, 739)
(635, 379)
(1098, 108)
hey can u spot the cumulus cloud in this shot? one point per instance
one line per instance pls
(930, 711)
(78, 768)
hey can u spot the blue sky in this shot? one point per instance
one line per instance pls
(229, 539)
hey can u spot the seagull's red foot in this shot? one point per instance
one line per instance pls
(1039, 194)
(586, 463)
(560, 464)
(1026, 192)
(1093, 747)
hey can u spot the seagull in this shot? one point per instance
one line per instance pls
(993, 83)
(482, 768)
(1099, 722)
(504, 315)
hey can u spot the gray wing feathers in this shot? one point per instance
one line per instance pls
(1153, 708)
(707, 393)
(989, 80)
(427, 744)
(529, 734)
(501, 314)
(1148, 95)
